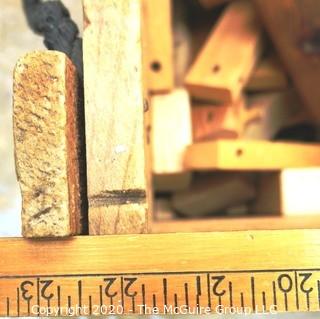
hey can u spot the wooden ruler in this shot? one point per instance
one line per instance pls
(233, 272)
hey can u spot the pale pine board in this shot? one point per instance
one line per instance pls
(114, 108)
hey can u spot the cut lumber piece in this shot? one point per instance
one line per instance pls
(183, 252)
(114, 108)
(290, 192)
(171, 130)
(276, 111)
(240, 256)
(159, 44)
(208, 4)
(231, 224)
(293, 27)
(46, 144)
(268, 75)
(214, 194)
(214, 121)
(220, 74)
(250, 155)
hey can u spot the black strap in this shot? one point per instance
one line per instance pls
(52, 20)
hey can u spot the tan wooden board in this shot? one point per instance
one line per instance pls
(114, 110)
(250, 155)
(229, 224)
(140, 266)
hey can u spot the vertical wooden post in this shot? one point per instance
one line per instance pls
(114, 109)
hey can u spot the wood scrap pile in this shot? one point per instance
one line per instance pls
(234, 106)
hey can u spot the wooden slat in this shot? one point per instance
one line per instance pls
(269, 75)
(250, 155)
(159, 44)
(224, 64)
(46, 132)
(293, 27)
(236, 224)
(114, 109)
(80, 268)
(187, 252)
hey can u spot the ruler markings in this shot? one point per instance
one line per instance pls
(133, 305)
(59, 299)
(318, 283)
(242, 300)
(90, 305)
(8, 307)
(230, 294)
(161, 273)
(28, 306)
(38, 292)
(209, 291)
(18, 302)
(264, 302)
(69, 302)
(143, 292)
(223, 286)
(100, 296)
(165, 291)
(286, 301)
(253, 297)
(154, 301)
(122, 292)
(186, 293)
(80, 293)
(198, 293)
(297, 292)
(274, 291)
